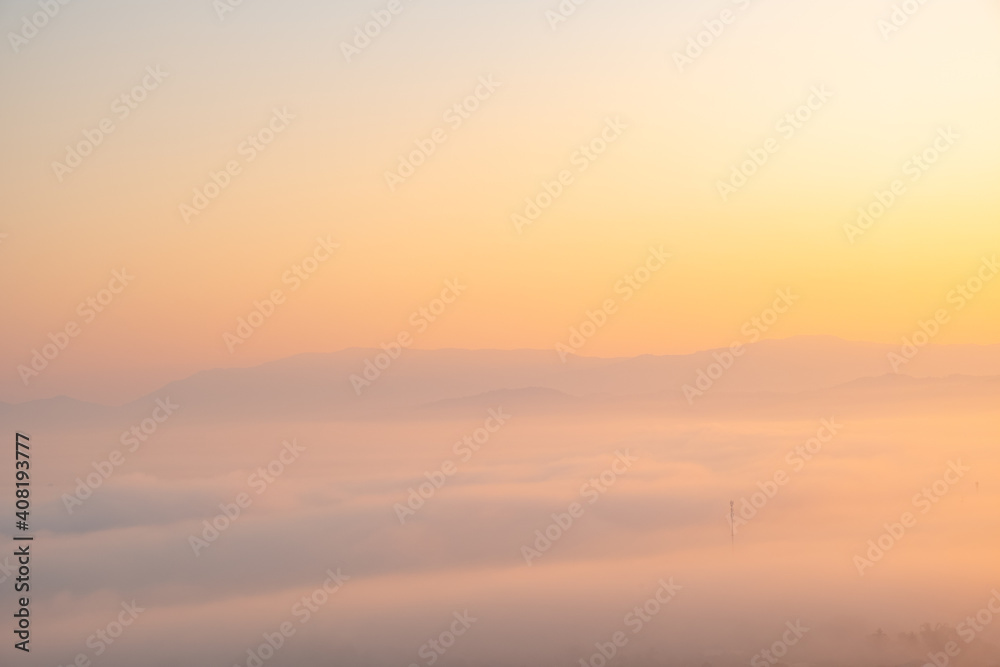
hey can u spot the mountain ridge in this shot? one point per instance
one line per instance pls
(311, 383)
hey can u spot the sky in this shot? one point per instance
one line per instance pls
(347, 118)
(204, 200)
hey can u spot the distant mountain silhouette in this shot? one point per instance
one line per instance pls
(318, 386)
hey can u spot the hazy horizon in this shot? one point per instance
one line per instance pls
(512, 333)
(941, 364)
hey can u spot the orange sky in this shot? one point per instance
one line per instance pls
(347, 124)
